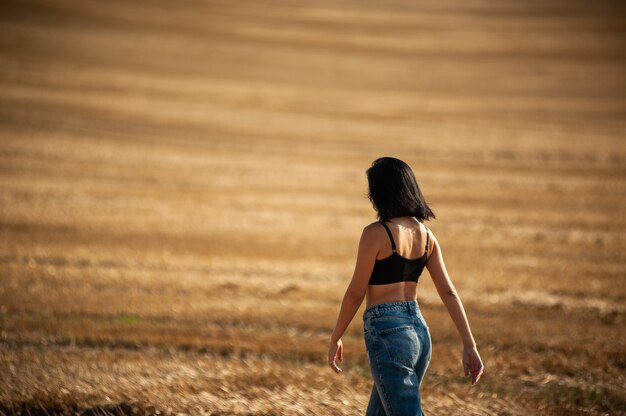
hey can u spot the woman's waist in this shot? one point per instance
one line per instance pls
(392, 308)
(389, 293)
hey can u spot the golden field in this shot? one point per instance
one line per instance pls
(182, 189)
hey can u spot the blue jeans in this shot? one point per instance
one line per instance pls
(398, 347)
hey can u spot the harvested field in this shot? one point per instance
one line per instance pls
(182, 189)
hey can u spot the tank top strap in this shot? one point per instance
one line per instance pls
(393, 243)
(427, 235)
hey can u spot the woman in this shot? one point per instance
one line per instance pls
(391, 256)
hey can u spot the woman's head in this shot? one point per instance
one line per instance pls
(394, 192)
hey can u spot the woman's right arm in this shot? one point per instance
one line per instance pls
(472, 363)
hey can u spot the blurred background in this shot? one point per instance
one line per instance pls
(182, 189)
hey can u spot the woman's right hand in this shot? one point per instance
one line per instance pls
(335, 355)
(472, 364)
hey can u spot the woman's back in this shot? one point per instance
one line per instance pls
(410, 237)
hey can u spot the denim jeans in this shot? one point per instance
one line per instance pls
(398, 347)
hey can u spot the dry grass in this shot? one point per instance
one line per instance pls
(182, 191)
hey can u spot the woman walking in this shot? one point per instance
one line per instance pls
(391, 257)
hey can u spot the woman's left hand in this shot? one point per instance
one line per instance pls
(335, 355)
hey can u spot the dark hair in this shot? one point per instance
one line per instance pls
(394, 192)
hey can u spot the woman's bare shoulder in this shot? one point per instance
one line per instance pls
(372, 231)
(373, 225)
(433, 241)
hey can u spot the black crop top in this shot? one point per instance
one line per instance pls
(396, 268)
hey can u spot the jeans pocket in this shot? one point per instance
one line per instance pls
(401, 344)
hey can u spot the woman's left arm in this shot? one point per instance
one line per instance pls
(355, 293)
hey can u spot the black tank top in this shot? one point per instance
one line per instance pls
(396, 268)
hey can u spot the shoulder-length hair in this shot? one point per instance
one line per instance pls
(394, 192)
